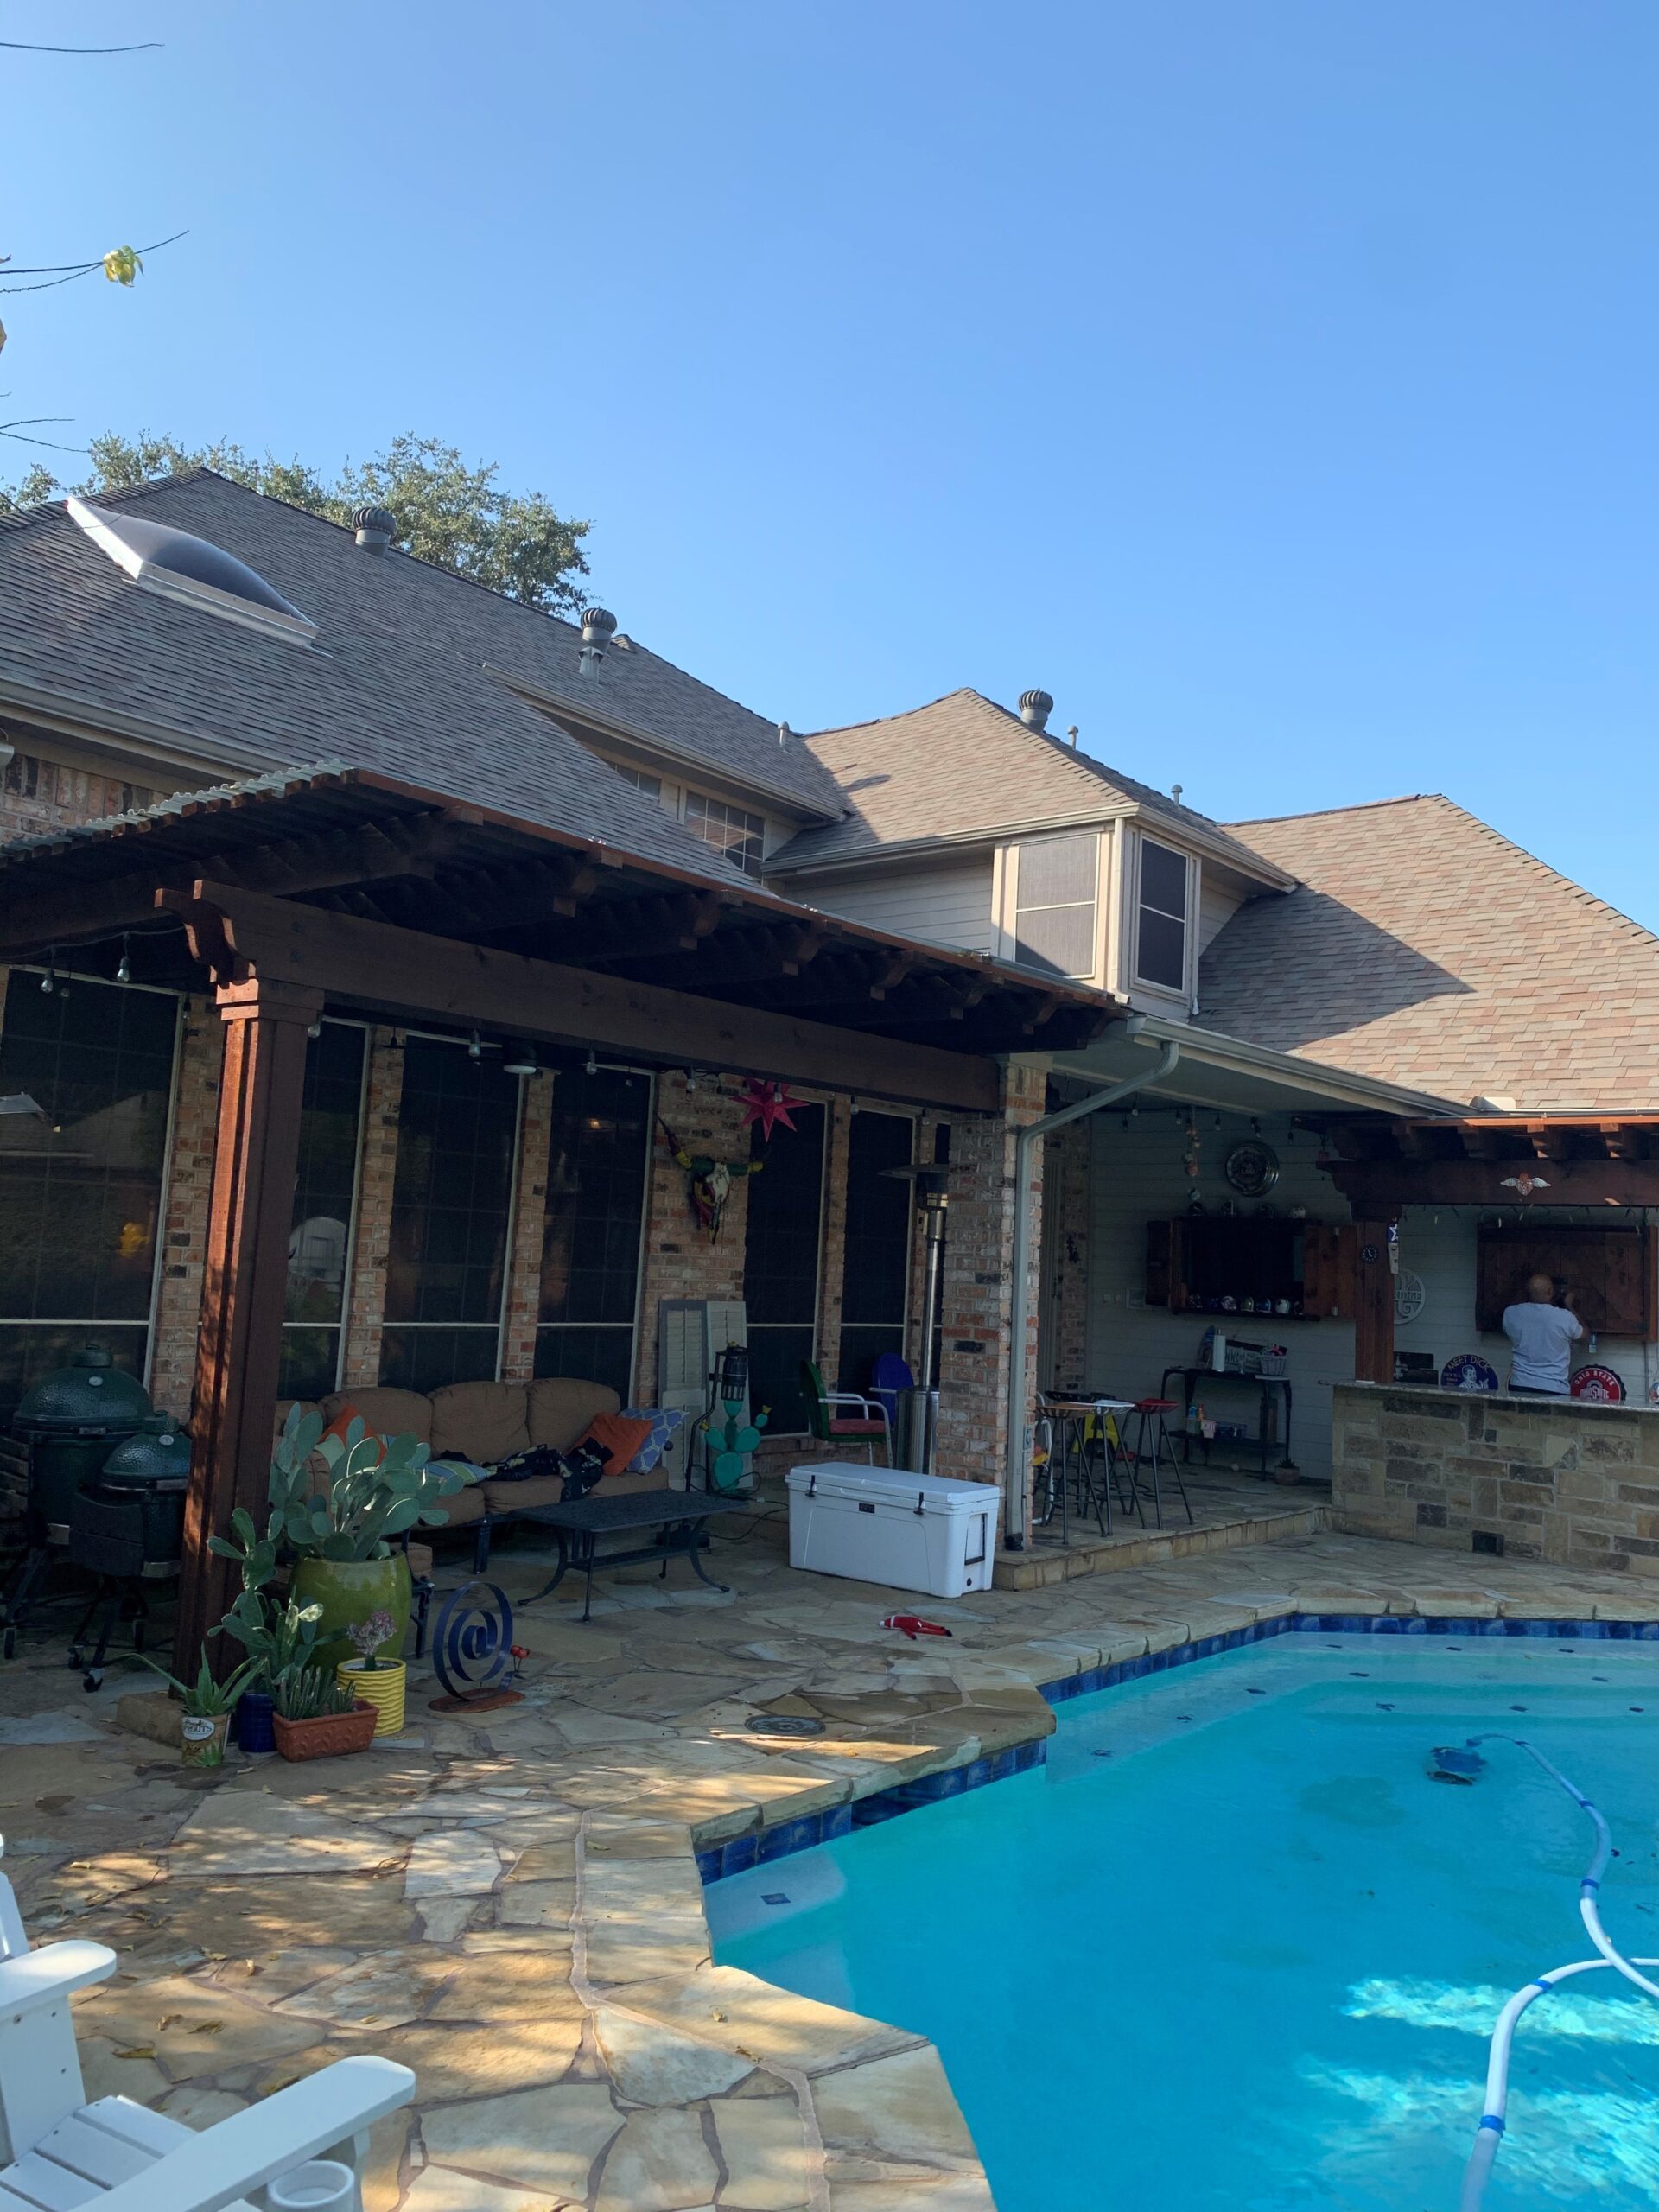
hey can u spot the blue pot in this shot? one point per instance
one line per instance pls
(254, 1732)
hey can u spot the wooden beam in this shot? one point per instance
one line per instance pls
(650, 928)
(1379, 1186)
(403, 973)
(1373, 1304)
(238, 1346)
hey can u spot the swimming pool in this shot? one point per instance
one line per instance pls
(1232, 1950)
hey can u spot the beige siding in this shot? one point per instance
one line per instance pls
(950, 905)
(1216, 906)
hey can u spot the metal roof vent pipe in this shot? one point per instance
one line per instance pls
(598, 628)
(376, 527)
(1035, 708)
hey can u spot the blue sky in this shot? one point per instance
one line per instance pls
(1271, 380)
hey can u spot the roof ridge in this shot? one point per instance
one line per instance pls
(1358, 806)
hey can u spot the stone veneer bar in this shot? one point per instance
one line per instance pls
(1560, 1480)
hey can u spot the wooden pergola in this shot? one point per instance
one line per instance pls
(335, 889)
(1505, 1161)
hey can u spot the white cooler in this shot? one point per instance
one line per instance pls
(880, 1524)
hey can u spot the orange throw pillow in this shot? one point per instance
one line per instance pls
(342, 1422)
(613, 1432)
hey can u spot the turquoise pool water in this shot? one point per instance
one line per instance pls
(1231, 1950)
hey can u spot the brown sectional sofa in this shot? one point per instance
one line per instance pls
(487, 1423)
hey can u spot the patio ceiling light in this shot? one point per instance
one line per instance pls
(520, 1059)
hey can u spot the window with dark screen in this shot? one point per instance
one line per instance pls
(457, 1129)
(325, 1203)
(780, 1264)
(80, 1184)
(875, 1268)
(598, 1157)
(1160, 937)
(1055, 886)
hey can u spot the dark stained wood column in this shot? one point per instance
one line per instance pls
(256, 1159)
(1373, 1304)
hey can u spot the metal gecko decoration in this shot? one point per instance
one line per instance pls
(710, 1182)
(473, 1654)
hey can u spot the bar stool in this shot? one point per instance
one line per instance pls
(1152, 1447)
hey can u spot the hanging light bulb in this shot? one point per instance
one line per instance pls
(123, 971)
(49, 981)
(314, 1030)
(591, 1066)
(474, 1050)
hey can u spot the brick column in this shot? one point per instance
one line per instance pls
(977, 1362)
(680, 1261)
(366, 1312)
(1070, 1259)
(528, 1229)
(184, 1228)
(256, 1158)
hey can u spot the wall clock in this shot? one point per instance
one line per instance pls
(1252, 1168)
(1409, 1296)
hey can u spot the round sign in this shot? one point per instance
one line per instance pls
(1599, 1385)
(1409, 1296)
(1252, 1168)
(1468, 1371)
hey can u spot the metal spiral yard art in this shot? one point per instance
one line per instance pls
(472, 1651)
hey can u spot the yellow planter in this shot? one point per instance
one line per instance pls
(382, 1687)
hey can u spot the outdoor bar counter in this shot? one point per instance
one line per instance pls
(1561, 1479)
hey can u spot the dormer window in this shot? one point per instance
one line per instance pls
(1160, 917)
(1054, 903)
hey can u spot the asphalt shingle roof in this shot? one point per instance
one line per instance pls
(962, 768)
(396, 683)
(1424, 949)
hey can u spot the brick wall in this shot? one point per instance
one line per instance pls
(1559, 1479)
(366, 1314)
(524, 1303)
(977, 1363)
(1067, 1157)
(38, 794)
(679, 1259)
(189, 1191)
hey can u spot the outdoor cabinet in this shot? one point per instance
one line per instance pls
(1196, 1259)
(1609, 1274)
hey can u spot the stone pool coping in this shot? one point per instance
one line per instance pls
(513, 1905)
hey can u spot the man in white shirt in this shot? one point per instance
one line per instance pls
(1541, 1333)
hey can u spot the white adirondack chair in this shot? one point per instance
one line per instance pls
(58, 2153)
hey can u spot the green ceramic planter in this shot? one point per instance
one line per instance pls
(349, 1591)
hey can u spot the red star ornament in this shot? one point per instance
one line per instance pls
(768, 1103)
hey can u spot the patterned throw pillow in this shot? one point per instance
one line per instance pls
(663, 1426)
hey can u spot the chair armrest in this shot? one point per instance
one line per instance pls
(854, 1398)
(37, 1978)
(236, 2156)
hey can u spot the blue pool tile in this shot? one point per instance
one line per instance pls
(738, 1855)
(870, 1812)
(788, 1836)
(710, 1865)
(838, 1821)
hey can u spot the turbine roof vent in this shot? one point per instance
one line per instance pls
(176, 565)
(376, 527)
(1035, 708)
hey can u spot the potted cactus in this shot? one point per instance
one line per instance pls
(315, 1718)
(379, 1682)
(336, 1503)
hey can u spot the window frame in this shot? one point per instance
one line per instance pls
(757, 836)
(1183, 990)
(354, 1219)
(638, 1392)
(825, 1108)
(903, 1324)
(1008, 909)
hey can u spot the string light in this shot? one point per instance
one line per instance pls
(591, 1065)
(49, 981)
(123, 971)
(474, 1050)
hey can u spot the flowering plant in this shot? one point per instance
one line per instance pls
(368, 1636)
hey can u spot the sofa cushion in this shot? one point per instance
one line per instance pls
(459, 1508)
(481, 1421)
(561, 1406)
(385, 1411)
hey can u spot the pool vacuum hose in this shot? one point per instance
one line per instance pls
(1490, 2134)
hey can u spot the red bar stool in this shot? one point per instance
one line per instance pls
(1152, 1447)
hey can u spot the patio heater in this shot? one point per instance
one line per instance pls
(917, 1421)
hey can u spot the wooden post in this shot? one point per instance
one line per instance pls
(238, 1357)
(1373, 1304)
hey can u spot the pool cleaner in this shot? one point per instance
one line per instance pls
(1490, 2134)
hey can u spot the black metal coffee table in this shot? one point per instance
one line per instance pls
(679, 1514)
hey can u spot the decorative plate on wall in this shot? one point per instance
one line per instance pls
(1409, 1296)
(1468, 1371)
(1252, 1168)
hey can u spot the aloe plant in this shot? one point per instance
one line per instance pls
(205, 1697)
(276, 1637)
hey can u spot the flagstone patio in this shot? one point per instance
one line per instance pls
(511, 1905)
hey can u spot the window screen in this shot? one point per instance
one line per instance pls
(80, 1185)
(780, 1264)
(1054, 910)
(598, 1153)
(324, 1196)
(876, 1272)
(1160, 940)
(651, 786)
(456, 1131)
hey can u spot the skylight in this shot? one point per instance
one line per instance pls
(181, 565)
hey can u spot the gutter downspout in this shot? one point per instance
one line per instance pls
(1017, 1432)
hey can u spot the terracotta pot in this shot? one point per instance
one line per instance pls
(382, 1687)
(201, 1737)
(328, 1736)
(348, 1590)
